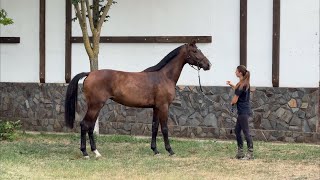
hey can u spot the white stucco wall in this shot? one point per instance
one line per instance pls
(159, 19)
(55, 41)
(20, 62)
(259, 47)
(299, 43)
(299, 46)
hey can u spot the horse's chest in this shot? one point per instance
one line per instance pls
(168, 94)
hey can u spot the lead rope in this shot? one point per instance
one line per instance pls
(229, 110)
(199, 78)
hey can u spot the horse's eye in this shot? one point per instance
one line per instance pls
(195, 51)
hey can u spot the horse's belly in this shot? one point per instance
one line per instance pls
(135, 99)
(134, 103)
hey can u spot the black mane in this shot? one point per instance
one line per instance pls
(164, 61)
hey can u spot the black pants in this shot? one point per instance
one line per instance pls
(243, 124)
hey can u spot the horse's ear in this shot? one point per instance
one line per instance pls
(193, 43)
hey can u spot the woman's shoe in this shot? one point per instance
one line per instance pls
(240, 154)
(249, 155)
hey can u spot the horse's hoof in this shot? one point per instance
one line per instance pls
(97, 153)
(86, 157)
(172, 154)
(157, 154)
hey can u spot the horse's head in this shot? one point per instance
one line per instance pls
(196, 57)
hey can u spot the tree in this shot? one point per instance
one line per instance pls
(96, 14)
(4, 20)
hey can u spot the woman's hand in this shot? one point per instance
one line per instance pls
(230, 84)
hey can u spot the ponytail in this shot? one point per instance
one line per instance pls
(245, 82)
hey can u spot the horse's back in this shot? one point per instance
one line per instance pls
(136, 89)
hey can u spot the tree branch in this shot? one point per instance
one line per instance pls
(95, 12)
(104, 14)
(83, 25)
(78, 13)
(83, 12)
(90, 16)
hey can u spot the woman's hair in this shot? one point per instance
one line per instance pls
(245, 82)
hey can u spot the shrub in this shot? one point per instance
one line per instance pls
(8, 130)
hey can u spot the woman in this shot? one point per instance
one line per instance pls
(242, 100)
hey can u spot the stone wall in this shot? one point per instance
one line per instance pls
(282, 114)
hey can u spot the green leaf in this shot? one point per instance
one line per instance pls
(75, 1)
(4, 20)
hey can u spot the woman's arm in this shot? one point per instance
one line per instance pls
(234, 100)
(231, 85)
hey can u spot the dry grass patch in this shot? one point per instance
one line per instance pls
(46, 156)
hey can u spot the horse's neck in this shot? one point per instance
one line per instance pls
(173, 69)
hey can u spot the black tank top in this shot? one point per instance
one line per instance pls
(243, 104)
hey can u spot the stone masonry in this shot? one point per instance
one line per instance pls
(279, 114)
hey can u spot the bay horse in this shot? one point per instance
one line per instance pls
(152, 88)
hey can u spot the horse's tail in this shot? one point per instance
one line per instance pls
(71, 99)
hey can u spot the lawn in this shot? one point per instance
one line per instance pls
(56, 156)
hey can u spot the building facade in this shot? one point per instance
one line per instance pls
(235, 31)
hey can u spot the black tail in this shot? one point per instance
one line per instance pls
(71, 99)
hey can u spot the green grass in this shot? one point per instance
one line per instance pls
(47, 156)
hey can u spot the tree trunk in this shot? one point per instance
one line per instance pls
(96, 126)
(95, 22)
(94, 67)
(94, 64)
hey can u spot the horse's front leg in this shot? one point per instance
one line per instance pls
(163, 117)
(155, 126)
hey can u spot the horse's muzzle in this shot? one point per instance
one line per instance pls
(207, 66)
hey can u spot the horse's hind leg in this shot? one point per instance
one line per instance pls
(84, 129)
(92, 142)
(87, 125)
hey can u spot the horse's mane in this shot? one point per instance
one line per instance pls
(164, 61)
